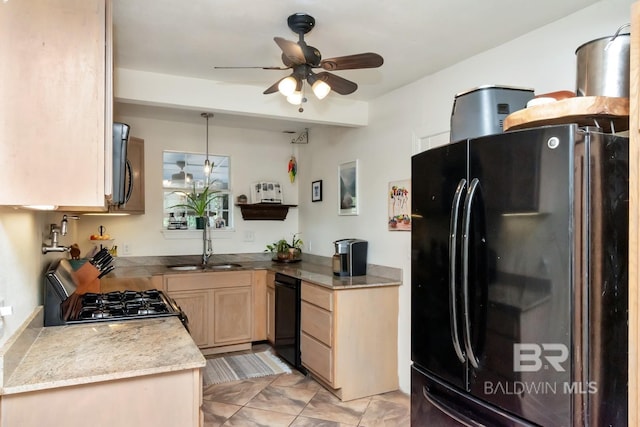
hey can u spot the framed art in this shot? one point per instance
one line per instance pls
(399, 205)
(316, 191)
(348, 188)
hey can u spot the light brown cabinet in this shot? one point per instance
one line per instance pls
(219, 306)
(232, 315)
(259, 305)
(195, 305)
(55, 100)
(271, 307)
(348, 338)
(166, 400)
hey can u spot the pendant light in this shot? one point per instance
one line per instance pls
(207, 165)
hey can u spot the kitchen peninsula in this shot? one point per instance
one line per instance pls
(128, 373)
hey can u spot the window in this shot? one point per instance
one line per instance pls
(181, 173)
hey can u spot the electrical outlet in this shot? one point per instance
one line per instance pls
(126, 249)
(249, 236)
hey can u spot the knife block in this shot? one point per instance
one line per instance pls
(86, 278)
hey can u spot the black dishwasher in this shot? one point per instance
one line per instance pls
(287, 316)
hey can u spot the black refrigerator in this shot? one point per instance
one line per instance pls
(519, 301)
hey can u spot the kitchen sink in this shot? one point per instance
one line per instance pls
(223, 266)
(185, 267)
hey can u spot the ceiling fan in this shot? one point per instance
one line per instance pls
(302, 59)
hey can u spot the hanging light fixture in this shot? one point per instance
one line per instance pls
(207, 165)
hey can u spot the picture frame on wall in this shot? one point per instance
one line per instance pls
(316, 191)
(348, 188)
(399, 205)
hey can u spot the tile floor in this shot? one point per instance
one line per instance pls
(297, 400)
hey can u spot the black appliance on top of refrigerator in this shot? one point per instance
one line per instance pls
(519, 300)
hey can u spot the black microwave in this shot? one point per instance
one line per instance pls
(120, 193)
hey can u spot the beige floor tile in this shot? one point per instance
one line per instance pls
(237, 392)
(385, 413)
(325, 406)
(288, 400)
(246, 417)
(394, 396)
(296, 380)
(313, 422)
(216, 413)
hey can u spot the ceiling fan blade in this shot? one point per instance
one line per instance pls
(291, 50)
(261, 68)
(273, 88)
(338, 84)
(352, 62)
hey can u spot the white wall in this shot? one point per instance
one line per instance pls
(21, 266)
(543, 59)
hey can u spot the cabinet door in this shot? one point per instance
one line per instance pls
(53, 102)
(232, 315)
(195, 304)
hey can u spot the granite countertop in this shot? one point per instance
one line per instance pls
(318, 273)
(93, 352)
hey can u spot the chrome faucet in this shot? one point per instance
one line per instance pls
(207, 245)
(55, 232)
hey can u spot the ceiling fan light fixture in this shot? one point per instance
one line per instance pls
(295, 98)
(288, 85)
(320, 89)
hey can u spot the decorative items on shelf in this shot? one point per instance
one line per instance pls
(285, 251)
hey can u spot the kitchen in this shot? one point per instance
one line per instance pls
(401, 123)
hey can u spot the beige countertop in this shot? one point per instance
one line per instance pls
(69, 355)
(315, 273)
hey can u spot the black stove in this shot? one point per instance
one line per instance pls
(60, 294)
(125, 304)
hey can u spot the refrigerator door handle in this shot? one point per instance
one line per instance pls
(453, 239)
(466, 223)
(448, 410)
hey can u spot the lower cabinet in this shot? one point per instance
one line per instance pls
(271, 307)
(219, 306)
(232, 315)
(164, 400)
(349, 338)
(196, 305)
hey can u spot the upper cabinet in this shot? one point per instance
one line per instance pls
(55, 98)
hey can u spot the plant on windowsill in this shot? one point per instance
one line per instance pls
(198, 203)
(285, 251)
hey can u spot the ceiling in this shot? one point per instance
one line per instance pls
(415, 37)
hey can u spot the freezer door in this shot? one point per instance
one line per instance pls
(434, 403)
(520, 272)
(437, 177)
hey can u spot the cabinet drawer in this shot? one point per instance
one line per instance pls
(317, 357)
(182, 282)
(317, 296)
(317, 322)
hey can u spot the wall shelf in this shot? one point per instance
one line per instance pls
(264, 211)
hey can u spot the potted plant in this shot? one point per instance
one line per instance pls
(198, 202)
(285, 250)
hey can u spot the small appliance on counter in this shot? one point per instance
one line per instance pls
(350, 258)
(481, 111)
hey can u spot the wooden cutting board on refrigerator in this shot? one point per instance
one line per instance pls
(610, 114)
